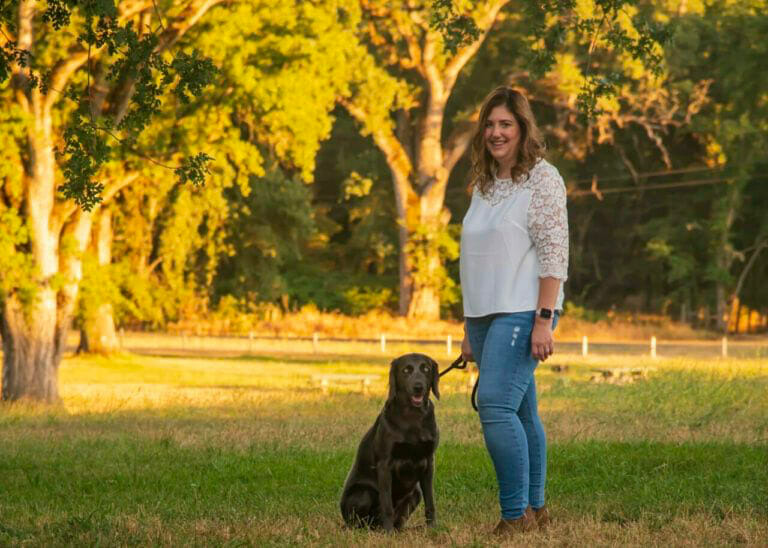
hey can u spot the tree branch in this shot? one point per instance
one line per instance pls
(179, 25)
(129, 11)
(414, 48)
(4, 35)
(432, 161)
(68, 208)
(429, 67)
(760, 244)
(454, 67)
(25, 39)
(62, 72)
(153, 265)
(76, 58)
(173, 30)
(459, 140)
(71, 267)
(111, 190)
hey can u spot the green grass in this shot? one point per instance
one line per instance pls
(246, 452)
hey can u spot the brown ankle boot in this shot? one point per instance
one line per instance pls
(523, 524)
(542, 516)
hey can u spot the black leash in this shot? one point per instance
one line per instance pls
(458, 363)
(461, 363)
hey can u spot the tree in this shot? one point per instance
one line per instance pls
(676, 184)
(282, 64)
(725, 241)
(404, 87)
(47, 233)
(736, 134)
(403, 40)
(96, 311)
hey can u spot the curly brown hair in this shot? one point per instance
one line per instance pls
(529, 150)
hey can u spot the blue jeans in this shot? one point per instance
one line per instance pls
(506, 400)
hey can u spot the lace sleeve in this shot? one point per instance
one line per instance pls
(548, 224)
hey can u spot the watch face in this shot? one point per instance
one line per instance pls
(545, 313)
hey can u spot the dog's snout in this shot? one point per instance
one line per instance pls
(418, 388)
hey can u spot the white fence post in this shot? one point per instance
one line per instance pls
(448, 345)
(653, 347)
(250, 342)
(584, 346)
(383, 343)
(725, 347)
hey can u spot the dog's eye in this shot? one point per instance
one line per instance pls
(407, 369)
(424, 368)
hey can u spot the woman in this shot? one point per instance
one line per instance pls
(514, 258)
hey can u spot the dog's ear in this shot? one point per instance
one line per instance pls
(392, 381)
(435, 378)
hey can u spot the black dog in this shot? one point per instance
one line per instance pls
(395, 461)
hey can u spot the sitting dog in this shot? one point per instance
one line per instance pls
(395, 461)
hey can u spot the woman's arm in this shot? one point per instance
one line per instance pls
(542, 342)
(466, 350)
(548, 227)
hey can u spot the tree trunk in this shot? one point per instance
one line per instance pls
(34, 326)
(721, 308)
(34, 329)
(427, 274)
(98, 334)
(31, 351)
(725, 254)
(759, 246)
(406, 281)
(420, 260)
(420, 168)
(425, 298)
(431, 180)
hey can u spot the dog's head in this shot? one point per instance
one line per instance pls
(411, 377)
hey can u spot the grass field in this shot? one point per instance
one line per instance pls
(246, 451)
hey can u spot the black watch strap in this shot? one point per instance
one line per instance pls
(545, 313)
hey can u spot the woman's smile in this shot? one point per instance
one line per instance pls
(498, 144)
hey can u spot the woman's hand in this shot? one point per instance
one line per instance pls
(466, 350)
(542, 343)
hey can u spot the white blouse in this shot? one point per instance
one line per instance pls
(511, 237)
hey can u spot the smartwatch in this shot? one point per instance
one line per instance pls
(544, 313)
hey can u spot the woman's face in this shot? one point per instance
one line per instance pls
(502, 134)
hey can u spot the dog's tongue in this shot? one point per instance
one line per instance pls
(416, 400)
